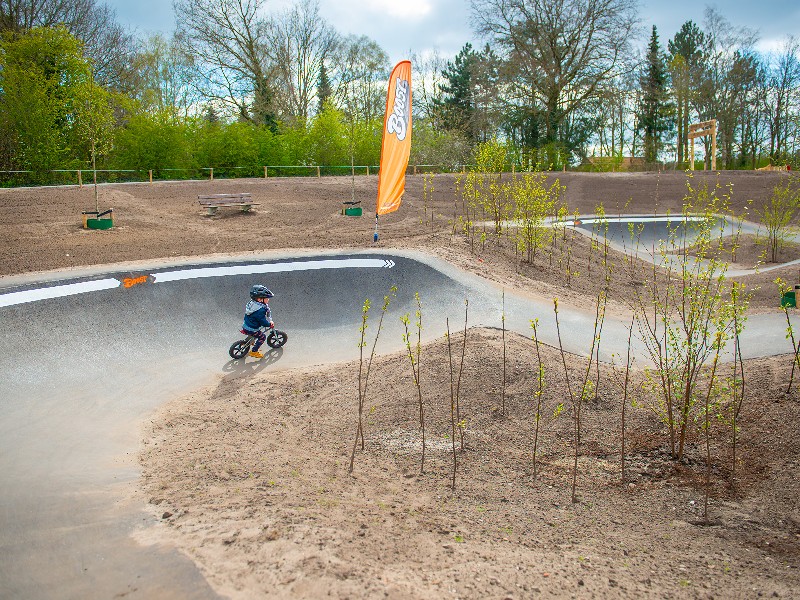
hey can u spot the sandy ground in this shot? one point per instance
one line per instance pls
(249, 477)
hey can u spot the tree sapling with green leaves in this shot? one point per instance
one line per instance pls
(363, 374)
(414, 357)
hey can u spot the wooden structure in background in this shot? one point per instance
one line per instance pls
(215, 201)
(775, 168)
(702, 129)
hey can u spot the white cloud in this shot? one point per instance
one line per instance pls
(771, 45)
(401, 9)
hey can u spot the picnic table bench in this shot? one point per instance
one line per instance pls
(214, 201)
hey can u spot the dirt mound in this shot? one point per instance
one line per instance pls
(251, 479)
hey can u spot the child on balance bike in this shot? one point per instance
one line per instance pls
(257, 315)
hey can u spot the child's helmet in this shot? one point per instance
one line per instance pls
(260, 291)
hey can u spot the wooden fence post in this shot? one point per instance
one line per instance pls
(318, 175)
(265, 172)
(713, 144)
(367, 169)
(212, 173)
(80, 179)
(150, 172)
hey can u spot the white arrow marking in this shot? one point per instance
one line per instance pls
(57, 291)
(308, 265)
(81, 287)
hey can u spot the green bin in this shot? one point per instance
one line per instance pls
(788, 300)
(93, 219)
(99, 223)
(354, 211)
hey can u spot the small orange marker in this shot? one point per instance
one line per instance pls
(130, 282)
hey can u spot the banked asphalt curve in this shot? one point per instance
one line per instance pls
(87, 355)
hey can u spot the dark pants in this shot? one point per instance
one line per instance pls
(260, 336)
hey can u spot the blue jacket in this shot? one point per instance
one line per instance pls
(256, 315)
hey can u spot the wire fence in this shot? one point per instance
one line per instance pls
(81, 177)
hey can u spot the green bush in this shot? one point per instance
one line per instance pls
(153, 142)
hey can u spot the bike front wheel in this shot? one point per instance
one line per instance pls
(240, 349)
(276, 339)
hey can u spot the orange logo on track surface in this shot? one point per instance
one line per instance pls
(132, 281)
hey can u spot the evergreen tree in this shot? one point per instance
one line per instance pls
(324, 90)
(654, 108)
(686, 57)
(458, 104)
(489, 107)
(210, 113)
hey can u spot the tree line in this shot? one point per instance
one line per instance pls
(239, 85)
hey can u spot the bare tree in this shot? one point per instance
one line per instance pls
(743, 81)
(299, 42)
(359, 68)
(558, 52)
(784, 81)
(165, 78)
(612, 113)
(726, 73)
(753, 107)
(229, 39)
(427, 83)
(22, 15)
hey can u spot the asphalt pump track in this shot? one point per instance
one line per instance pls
(87, 355)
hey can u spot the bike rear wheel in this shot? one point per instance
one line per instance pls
(276, 339)
(240, 348)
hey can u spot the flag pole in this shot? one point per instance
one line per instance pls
(375, 236)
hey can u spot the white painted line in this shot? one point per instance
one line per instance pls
(591, 220)
(57, 291)
(307, 265)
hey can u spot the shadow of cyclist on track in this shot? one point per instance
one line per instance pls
(247, 366)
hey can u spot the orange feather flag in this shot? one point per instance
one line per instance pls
(396, 146)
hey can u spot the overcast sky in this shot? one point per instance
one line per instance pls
(419, 26)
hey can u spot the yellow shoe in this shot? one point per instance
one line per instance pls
(256, 354)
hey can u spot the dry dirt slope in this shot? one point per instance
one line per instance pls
(250, 479)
